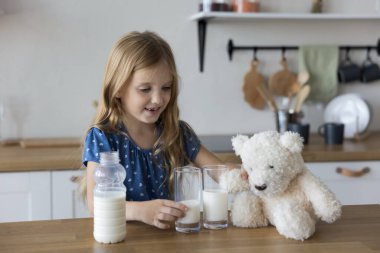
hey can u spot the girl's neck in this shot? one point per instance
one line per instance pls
(143, 135)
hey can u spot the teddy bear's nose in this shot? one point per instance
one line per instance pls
(261, 187)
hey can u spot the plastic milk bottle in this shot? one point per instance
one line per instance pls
(109, 199)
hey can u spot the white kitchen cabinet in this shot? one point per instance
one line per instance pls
(66, 201)
(360, 188)
(25, 196)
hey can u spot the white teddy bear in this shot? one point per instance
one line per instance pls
(280, 190)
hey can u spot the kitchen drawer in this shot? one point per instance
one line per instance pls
(351, 190)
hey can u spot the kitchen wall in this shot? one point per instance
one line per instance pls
(53, 54)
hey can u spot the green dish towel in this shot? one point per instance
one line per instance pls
(321, 62)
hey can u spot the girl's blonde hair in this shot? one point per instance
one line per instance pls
(133, 52)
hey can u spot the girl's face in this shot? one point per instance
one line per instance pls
(147, 94)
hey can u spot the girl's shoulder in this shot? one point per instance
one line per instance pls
(97, 134)
(186, 129)
(184, 126)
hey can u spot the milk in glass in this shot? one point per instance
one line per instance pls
(215, 198)
(187, 190)
(215, 205)
(193, 214)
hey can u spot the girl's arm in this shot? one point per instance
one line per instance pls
(205, 157)
(157, 212)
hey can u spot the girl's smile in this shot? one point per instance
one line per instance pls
(154, 111)
(147, 94)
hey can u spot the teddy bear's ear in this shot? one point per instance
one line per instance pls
(292, 141)
(238, 143)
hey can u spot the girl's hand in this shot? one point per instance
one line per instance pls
(244, 174)
(160, 212)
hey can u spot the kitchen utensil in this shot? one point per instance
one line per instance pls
(282, 81)
(252, 79)
(302, 94)
(267, 95)
(281, 119)
(294, 89)
(351, 110)
(303, 77)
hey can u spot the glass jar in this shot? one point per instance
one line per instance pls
(214, 5)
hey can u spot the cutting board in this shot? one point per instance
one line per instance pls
(252, 79)
(281, 83)
(50, 142)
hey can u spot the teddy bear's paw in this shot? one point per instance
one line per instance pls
(297, 231)
(247, 211)
(295, 223)
(332, 212)
(298, 234)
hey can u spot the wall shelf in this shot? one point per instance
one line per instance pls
(203, 17)
(313, 16)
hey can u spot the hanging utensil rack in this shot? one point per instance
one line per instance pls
(231, 47)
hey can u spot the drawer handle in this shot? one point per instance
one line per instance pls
(352, 173)
(75, 179)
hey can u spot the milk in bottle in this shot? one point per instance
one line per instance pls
(109, 199)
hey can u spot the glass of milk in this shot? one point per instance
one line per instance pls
(215, 198)
(187, 190)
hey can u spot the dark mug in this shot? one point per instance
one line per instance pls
(295, 117)
(332, 132)
(348, 72)
(370, 72)
(301, 129)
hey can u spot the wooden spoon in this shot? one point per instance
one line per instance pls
(268, 96)
(303, 77)
(302, 94)
(294, 89)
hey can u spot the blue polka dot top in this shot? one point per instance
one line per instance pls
(145, 177)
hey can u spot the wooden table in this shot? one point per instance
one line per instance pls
(357, 231)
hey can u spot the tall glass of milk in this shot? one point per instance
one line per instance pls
(109, 199)
(187, 190)
(215, 198)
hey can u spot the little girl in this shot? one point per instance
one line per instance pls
(138, 116)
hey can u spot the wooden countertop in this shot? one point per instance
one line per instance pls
(16, 158)
(357, 231)
(317, 151)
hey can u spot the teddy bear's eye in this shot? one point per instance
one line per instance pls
(271, 166)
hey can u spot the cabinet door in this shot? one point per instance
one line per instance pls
(25, 196)
(359, 188)
(66, 201)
